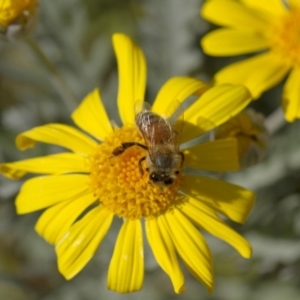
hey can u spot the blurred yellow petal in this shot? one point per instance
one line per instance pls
(11, 10)
(80, 243)
(291, 96)
(132, 76)
(8, 12)
(233, 14)
(272, 7)
(57, 134)
(44, 191)
(177, 89)
(56, 220)
(219, 156)
(190, 245)
(126, 269)
(231, 200)
(164, 253)
(213, 108)
(258, 73)
(97, 123)
(290, 3)
(52, 164)
(206, 218)
(229, 42)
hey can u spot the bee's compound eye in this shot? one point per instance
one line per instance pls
(169, 181)
(154, 177)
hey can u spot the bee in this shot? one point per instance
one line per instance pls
(161, 135)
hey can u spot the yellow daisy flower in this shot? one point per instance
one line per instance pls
(252, 26)
(91, 179)
(248, 127)
(17, 17)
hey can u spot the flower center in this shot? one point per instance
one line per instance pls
(119, 184)
(285, 37)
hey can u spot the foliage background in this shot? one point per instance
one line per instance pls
(76, 37)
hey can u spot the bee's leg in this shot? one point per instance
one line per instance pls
(182, 158)
(140, 165)
(119, 150)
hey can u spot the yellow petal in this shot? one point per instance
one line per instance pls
(44, 191)
(213, 108)
(52, 164)
(164, 253)
(233, 14)
(207, 219)
(291, 96)
(177, 89)
(219, 155)
(272, 7)
(290, 3)
(231, 200)
(56, 220)
(57, 134)
(190, 245)
(132, 76)
(126, 269)
(258, 73)
(10, 10)
(91, 116)
(80, 243)
(229, 42)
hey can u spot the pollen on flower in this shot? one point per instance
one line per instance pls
(285, 37)
(118, 182)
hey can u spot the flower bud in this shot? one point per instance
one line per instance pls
(17, 18)
(249, 129)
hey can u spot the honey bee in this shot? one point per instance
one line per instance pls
(161, 134)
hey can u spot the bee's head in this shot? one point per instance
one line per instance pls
(162, 179)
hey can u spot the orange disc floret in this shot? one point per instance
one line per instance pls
(285, 36)
(118, 182)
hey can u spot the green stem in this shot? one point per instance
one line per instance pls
(57, 80)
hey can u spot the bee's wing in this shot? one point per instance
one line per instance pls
(159, 130)
(140, 107)
(144, 123)
(175, 113)
(143, 119)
